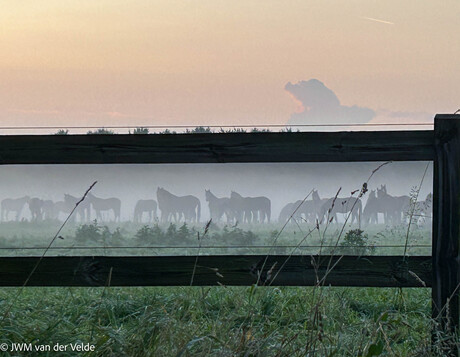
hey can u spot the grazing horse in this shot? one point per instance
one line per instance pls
(254, 209)
(105, 204)
(298, 210)
(36, 208)
(13, 205)
(289, 211)
(177, 206)
(149, 206)
(395, 207)
(342, 205)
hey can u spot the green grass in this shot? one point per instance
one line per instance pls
(216, 321)
(222, 321)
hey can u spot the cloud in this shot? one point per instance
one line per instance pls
(318, 104)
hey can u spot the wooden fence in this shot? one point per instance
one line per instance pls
(440, 271)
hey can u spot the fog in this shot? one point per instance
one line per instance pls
(282, 183)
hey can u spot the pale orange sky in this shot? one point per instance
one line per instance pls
(214, 62)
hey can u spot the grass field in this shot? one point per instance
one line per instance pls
(221, 321)
(217, 321)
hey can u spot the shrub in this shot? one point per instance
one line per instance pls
(95, 233)
(87, 232)
(147, 234)
(356, 242)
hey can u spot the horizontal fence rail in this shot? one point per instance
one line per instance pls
(378, 271)
(217, 148)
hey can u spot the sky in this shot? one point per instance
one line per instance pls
(215, 62)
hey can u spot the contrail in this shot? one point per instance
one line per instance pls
(377, 20)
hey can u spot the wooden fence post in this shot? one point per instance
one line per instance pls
(446, 229)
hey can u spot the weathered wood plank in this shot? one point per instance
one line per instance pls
(376, 271)
(217, 148)
(446, 223)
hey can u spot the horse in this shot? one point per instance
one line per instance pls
(254, 209)
(373, 207)
(219, 206)
(299, 210)
(318, 204)
(36, 208)
(69, 203)
(13, 205)
(342, 205)
(149, 206)
(289, 211)
(395, 207)
(423, 209)
(105, 204)
(177, 206)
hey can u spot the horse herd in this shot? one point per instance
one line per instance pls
(233, 209)
(394, 209)
(47, 209)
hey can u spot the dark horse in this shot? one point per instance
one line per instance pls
(149, 206)
(252, 209)
(36, 208)
(177, 206)
(219, 206)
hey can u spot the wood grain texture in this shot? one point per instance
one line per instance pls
(375, 271)
(217, 148)
(446, 223)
